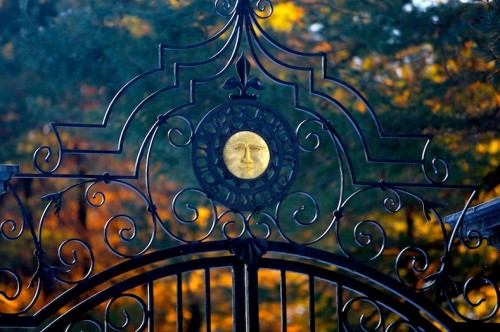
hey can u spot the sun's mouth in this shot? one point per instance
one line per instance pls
(247, 167)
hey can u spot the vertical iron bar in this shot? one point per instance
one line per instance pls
(179, 303)
(338, 300)
(283, 300)
(312, 312)
(239, 297)
(208, 308)
(252, 291)
(151, 307)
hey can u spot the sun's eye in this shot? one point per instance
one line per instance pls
(255, 148)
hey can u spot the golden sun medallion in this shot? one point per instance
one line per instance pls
(246, 155)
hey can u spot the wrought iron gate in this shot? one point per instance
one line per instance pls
(253, 208)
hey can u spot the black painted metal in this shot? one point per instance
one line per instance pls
(283, 300)
(247, 226)
(386, 297)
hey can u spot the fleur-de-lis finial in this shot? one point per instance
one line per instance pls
(244, 83)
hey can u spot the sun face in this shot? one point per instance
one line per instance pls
(246, 155)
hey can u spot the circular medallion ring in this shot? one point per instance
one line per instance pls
(245, 155)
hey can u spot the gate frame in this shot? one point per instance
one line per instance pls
(248, 251)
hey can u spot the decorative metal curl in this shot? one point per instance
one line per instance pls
(94, 195)
(194, 214)
(364, 239)
(189, 207)
(263, 223)
(226, 7)
(232, 223)
(296, 217)
(300, 210)
(392, 204)
(13, 227)
(125, 325)
(363, 321)
(440, 168)
(46, 159)
(177, 133)
(309, 137)
(74, 261)
(263, 8)
(132, 230)
(468, 287)
(18, 287)
(361, 238)
(473, 236)
(12, 275)
(416, 266)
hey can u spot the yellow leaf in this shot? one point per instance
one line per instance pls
(367, 64)
(452, 66)
(8, 49)
(433, 72)
(135, 25)
(285, 16)
(494, 147)
(402, 99)
(361, 107)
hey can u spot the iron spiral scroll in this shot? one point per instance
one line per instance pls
(247, 159)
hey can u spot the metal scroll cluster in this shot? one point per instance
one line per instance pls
(251, 159)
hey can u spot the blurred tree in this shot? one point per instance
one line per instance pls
(425, 67)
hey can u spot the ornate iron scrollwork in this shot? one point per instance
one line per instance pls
(251, 190)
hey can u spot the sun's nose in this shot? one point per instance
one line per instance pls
(247, 158)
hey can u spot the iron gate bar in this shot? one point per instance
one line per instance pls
(151, 307)
(178, 304)
(208, 307)
(313, 271)
(361, 270)
(99, 279)
(283, 300)
(252, 297)
(347, 265)
(61, 322)
(239, 297)
(239, 307)
(311, 293)
(339, 292)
